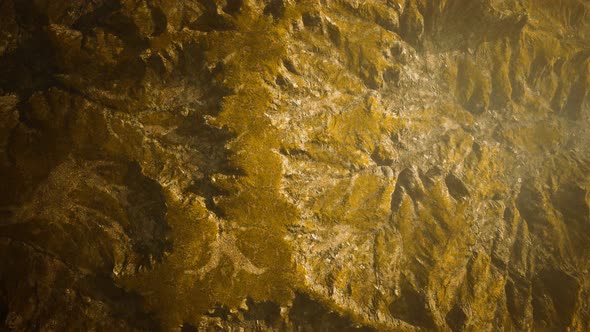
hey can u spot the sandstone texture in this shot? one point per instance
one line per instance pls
(295, 165)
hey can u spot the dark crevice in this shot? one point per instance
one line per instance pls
(209, 192)
(310, 315)
(266, 311)
(124, 305)
(275, 8)
(187, 327)
(36, 73)
(233, 7)
(456, 318)
(570, 201)
(456, 187)
(312, 21)
(408, 183)
(517, 299)
(212, 22)
(4, 309)
(95, 18)
(123, 27)
(411, 306)
(297, 153)
(380, 159)
(160, 21)
(147, 214)
(555, 295)
(290, 66)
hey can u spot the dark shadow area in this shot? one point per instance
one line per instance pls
(411, 307)
(309, 315)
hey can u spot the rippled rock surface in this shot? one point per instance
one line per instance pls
(283, 165)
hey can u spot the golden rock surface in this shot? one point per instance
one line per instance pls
(295, 165)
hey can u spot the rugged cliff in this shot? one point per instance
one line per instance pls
(334, 165)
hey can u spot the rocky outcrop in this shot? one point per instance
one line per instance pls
(294, 165)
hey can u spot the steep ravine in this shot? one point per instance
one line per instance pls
(283, 165)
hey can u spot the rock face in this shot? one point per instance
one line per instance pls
(290, 165)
